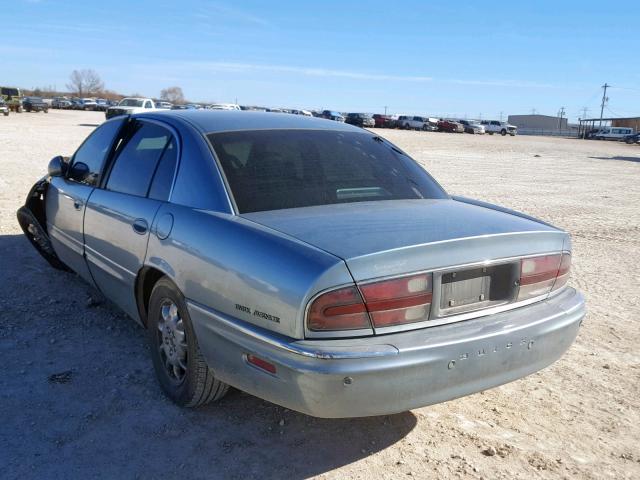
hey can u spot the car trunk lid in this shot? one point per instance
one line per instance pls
(378, 239)
(474, 250)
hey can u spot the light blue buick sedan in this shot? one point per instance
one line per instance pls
(308, 262)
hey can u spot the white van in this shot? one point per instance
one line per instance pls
(612, 133)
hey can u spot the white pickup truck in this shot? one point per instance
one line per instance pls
(130, 105)
(496, 126)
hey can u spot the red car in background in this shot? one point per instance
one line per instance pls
(383, 121)
(450, 126)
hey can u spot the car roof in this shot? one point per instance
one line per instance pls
(211, 121)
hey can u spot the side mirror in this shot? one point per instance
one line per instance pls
(79, 172)
(57, 167)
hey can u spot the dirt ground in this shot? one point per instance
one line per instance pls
(104, 416)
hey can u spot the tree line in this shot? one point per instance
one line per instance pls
(88, 83)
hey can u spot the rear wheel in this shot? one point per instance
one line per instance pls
(181, 370)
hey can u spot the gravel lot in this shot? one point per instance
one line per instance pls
(105, 416)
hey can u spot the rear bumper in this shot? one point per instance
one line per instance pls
(391, 373)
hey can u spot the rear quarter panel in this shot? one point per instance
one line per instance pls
(238, 268)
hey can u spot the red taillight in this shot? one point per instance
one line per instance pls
(341, 309)
(563, 271)
(386, 303)
(398, 301)
(539, 275)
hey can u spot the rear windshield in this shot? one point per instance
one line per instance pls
(277, 169)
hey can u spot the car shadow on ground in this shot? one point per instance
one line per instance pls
(89, 125)
(621, 158)
(79, 382)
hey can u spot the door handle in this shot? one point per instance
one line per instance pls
(140, 226)
(77, 204)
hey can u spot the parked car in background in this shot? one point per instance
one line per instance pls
(382, 121)
(34, 104)
(631, 139)
(472, 126)
(130, 105)
(61, 103)
(360, 120)
(411, 122)
(101, 105)
(431, 124)
(496, 126)
(331, 115)
(613, 133)
(4, 108)
(328, 272)
(224, 106)
(445, 125)
(164, 105)
(305, 113)
(87, 104)
(12, 98)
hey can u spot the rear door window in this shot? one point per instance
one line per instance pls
(137, 158)
(277, 169)
(165, 172)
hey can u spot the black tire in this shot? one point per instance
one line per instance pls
(38, 237)
(199, 386)
(503, 132)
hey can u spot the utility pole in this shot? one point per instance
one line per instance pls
(533, 111)
(560, 115)
(604, 101)
(385, 110)
(501, 116)
(584, 112)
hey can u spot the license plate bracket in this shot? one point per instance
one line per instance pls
(476, 288)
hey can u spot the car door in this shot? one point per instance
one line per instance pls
(119, 215)
(67, 196)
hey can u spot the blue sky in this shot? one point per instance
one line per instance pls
(454, 58)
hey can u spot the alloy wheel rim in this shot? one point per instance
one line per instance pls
(172, 341)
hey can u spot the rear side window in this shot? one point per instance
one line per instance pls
(277, 169)
(163, 178)
(138, 158)
(95, 149)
